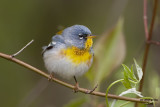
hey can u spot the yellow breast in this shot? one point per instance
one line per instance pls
(77, 55)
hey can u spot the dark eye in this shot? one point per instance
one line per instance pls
(81, 36)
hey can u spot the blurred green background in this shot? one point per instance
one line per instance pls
(24, 20)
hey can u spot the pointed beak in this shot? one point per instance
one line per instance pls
(91, 36)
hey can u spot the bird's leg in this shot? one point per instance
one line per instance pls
(76, 85)
(90, 91)
(51, 76)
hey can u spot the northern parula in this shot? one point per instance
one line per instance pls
(70, 53)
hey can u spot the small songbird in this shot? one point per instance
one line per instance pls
(70, 53)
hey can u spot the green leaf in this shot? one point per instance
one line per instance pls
(133, 76)
(130, 72)
(126, 81)
(139, 70)
(76, 103)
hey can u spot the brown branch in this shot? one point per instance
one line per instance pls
(148, 39)
(83, 90)
(147, 46)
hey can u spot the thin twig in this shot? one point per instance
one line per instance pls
(22, 49)
(89, 92)
(83, 90)
(153, 42)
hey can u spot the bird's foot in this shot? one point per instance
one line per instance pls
(76, 87)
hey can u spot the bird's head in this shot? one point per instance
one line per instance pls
(78, 36)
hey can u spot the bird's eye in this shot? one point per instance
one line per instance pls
(81, 36)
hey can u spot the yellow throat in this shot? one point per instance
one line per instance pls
(77, 55)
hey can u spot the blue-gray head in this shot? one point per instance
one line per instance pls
(76, 35)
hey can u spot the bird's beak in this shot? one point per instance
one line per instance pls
(91, 36)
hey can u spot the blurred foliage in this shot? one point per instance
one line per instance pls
(76, 103)
(24, 20)
(106, 57)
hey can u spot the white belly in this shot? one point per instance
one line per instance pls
(62, 66)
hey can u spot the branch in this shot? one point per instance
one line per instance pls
(154, 42)
(83, 90)
(22, 49)
(148, 37)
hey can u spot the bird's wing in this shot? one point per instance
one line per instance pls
(57, 39)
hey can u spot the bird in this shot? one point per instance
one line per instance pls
(70, 53)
